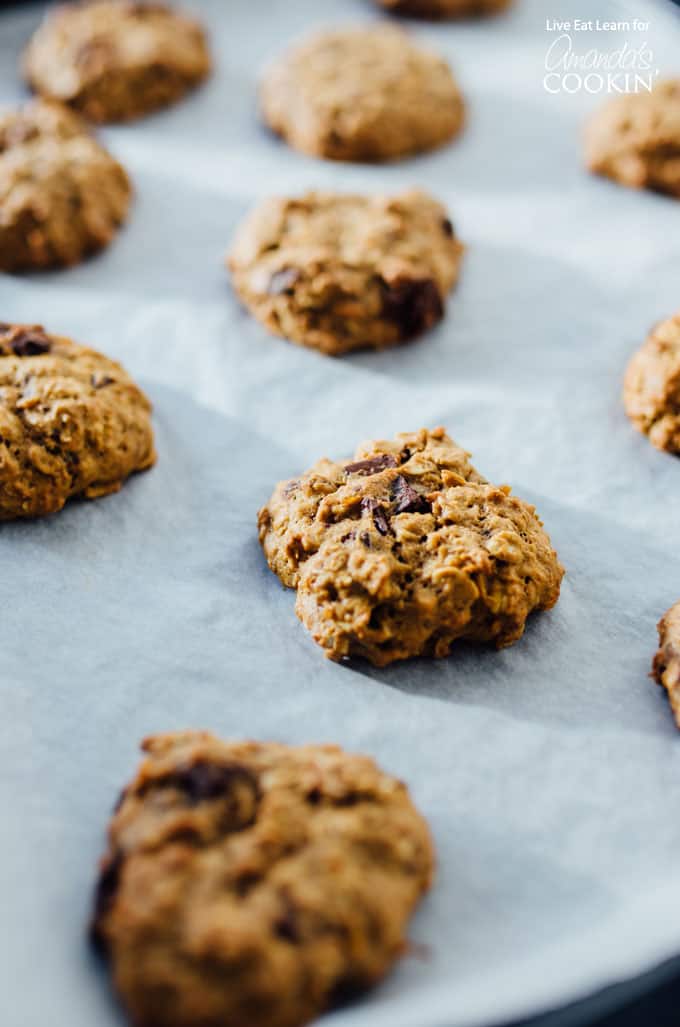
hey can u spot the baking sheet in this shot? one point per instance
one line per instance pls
(550, 771)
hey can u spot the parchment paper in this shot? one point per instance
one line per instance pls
(550, 772)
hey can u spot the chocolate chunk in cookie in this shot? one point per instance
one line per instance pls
(116, 59)
(364, 94)
(635, 139)
(62, 195)
(666, 665)
(406, 550)
(651, 388)
(339, 272)
(61, 433)
(257, 883)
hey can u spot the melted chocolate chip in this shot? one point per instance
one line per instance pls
(286, 925)
(30, 343)
(283, 281)
(372, 465)
(345, 991)
(447, 228)
(413, 305)
(100, 381)
(378, 513)
(211, 781)
(406, 499)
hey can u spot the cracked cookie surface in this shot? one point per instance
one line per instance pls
(364, 94)
(72, 423)
(635, 139)
(114, 60)
(62, 195)
(341, 272)
(252, 882)
(651, 388)
(666, 665)
(406, 549)
(444, 8)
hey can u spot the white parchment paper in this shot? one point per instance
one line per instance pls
(550, 772)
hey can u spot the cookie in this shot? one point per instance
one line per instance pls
(340, 272)
(72, 423)
(252, 883)
(635, 139)
(364, 94)
(651, 388)
(444, 8)
(62, 195)
(666, 665)
(116, 59)
(406, 549)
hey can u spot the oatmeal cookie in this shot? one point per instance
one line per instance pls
(114, 60)
(666, 665)
(364, 94)
(255, 883)
(651, 388)
(62, 195)
(635, 139)
(72, 423)
(341, 272)
(445, 8)
(405, 549)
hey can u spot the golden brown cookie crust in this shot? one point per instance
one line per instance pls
(406, 549)
(115, 60)
(651, 388)
(342, 272)
(252, 882)
(62, 195)
(364, 94)
(72, 423)
(666, 665)
(635, 139)
(445, 8)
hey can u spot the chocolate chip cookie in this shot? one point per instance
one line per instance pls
(251, 883)
(445, 8)
(62, 195)
(72, 423)
(666, 665)
(405, 549)
(364, 94)
(651, 388)
(340, 272)
(116, 59)
(635, 139)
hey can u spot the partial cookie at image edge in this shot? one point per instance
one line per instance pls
(116, 60)
(246, 876)
(63, 196)
(72, 423)
(651, 387)
(666, 663)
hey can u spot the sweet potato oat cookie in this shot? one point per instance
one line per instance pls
(252, 883)
(405, 550)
